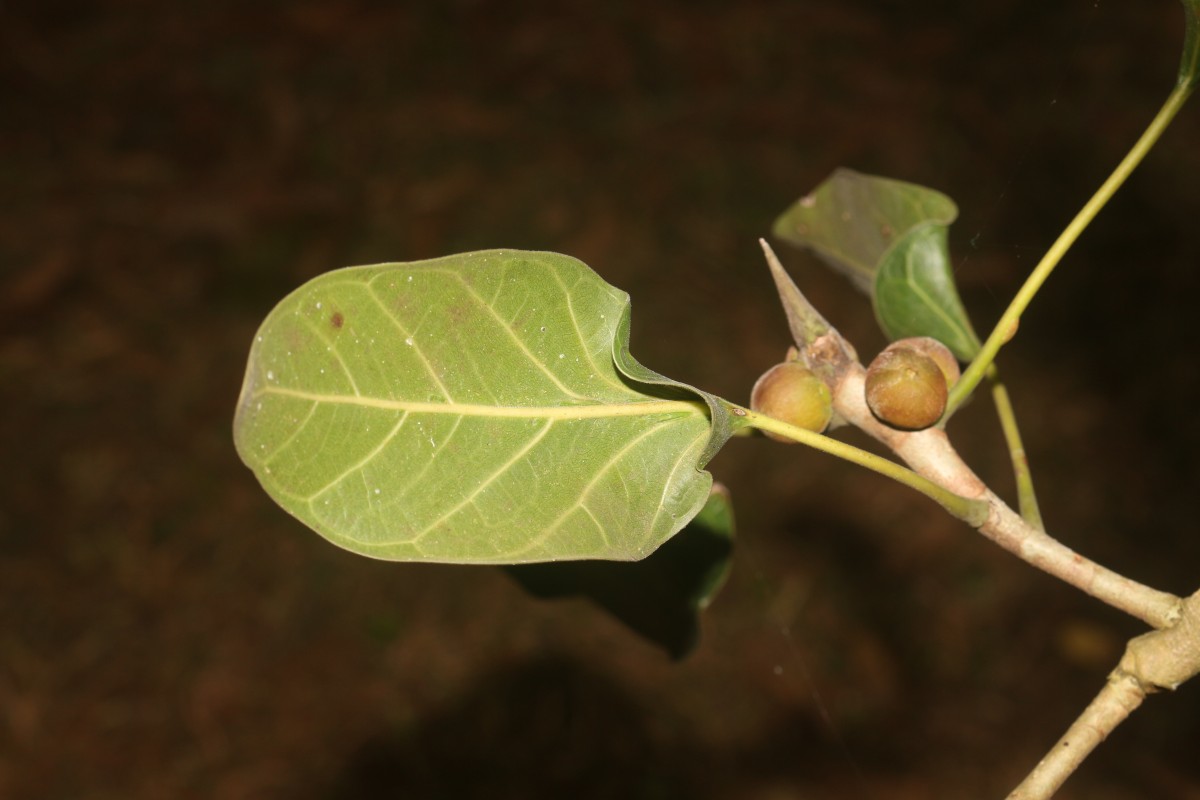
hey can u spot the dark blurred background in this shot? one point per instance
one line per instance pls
(170, 170)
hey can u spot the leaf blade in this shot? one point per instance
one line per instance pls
(440, 411)
(851, 219)
(890, 238)
(915, 293)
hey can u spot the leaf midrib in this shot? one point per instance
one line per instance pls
(591, 411)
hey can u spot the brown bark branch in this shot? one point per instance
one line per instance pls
(1159, 660)
(1116, 701)
(931, 455)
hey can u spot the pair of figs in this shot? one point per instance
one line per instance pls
(907, 385)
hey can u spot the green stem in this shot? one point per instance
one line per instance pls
(1008, 322)
(1189, 64)
(1026, 498)
(974, 512)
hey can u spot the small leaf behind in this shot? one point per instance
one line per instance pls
(479, 408)
(851, 219)
(889, 238)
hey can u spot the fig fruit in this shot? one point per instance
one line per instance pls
(906, 388)
(790, 392)
(941, 355)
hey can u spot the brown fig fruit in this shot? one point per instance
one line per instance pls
(941, 355)
(906, 389)
(792, 393)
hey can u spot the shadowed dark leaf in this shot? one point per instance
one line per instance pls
(660, 597)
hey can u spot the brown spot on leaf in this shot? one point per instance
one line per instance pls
(337, 320)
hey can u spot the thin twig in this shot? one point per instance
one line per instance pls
(1116, 701)
(1036, 547)
(1156, 661)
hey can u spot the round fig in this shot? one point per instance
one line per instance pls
(790, 392)
(941, 355)
(906, 389)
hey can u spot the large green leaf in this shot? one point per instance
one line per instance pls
(479, 408)
(889, 238)
(661, 596)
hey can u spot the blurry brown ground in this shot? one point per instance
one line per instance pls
(169, 170)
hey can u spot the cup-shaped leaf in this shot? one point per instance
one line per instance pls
(479, 408)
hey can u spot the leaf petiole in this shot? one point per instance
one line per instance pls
(974, 512)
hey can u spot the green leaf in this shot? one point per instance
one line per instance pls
(479, 408)
(851, 220)
(915, 294)
(889, 238)
(660, 597)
